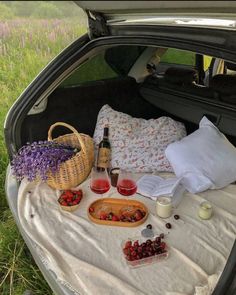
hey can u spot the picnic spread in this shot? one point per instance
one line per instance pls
(151, 225)
(89, 257)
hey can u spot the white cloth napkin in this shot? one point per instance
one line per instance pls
(88, 257)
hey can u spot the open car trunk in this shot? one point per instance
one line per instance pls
(85, 101)
(79, 106)
(48, 100)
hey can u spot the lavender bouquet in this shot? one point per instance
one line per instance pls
(38, 158)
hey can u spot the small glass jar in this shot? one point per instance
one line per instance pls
(205, 210)
(114, 173)
(164, 207)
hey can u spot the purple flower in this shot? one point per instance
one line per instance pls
(37, 159)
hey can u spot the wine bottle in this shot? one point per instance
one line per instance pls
(104, 151)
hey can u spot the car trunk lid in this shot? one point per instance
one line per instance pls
(102, 14)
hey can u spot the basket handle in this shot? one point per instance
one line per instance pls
(72, 129)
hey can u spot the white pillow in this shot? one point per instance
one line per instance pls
(138, 145)
(204, 159)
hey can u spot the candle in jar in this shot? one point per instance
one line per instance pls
(205, 210)
(164, 207)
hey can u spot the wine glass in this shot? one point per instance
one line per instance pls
(126, 184)
(100, 183)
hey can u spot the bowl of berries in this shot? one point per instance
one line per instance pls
(118, 212)
(69, 200)
(142, 251)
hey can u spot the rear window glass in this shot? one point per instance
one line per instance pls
(114, 62)
(176, 56)
(94, 69)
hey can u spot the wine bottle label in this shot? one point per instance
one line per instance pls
(104, 157)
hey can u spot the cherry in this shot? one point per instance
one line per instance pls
(148, 242)
(136, 244)
(163, 245)
(176, 216)
(140, 249)
(168, 225)
(128, 244)
(158, 240)
(134, 253)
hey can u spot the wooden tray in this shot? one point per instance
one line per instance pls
(118, 207)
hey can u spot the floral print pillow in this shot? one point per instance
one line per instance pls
(138, 145)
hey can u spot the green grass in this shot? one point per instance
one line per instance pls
(26, 46)
(176, 56)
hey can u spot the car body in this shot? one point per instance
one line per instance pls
(143, 32)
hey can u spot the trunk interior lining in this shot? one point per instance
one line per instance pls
(79, 107)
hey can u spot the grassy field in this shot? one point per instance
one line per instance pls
(26, 46)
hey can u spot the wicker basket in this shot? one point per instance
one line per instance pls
(75, 170)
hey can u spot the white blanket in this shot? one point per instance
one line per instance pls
(88, 257)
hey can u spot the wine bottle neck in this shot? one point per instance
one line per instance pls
(105, 133)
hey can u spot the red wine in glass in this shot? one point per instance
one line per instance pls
(99, 183)
(100, 186)
(126, 186)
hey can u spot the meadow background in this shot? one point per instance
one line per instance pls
(31, 34)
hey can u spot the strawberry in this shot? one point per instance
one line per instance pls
(63, 196)
(115, 218)
(138, 215)
(74, 202)
(103, 216)
(91, 209)
(78, 193)
(69, 193)
(63, 203)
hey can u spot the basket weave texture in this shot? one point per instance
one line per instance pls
(75, 170)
